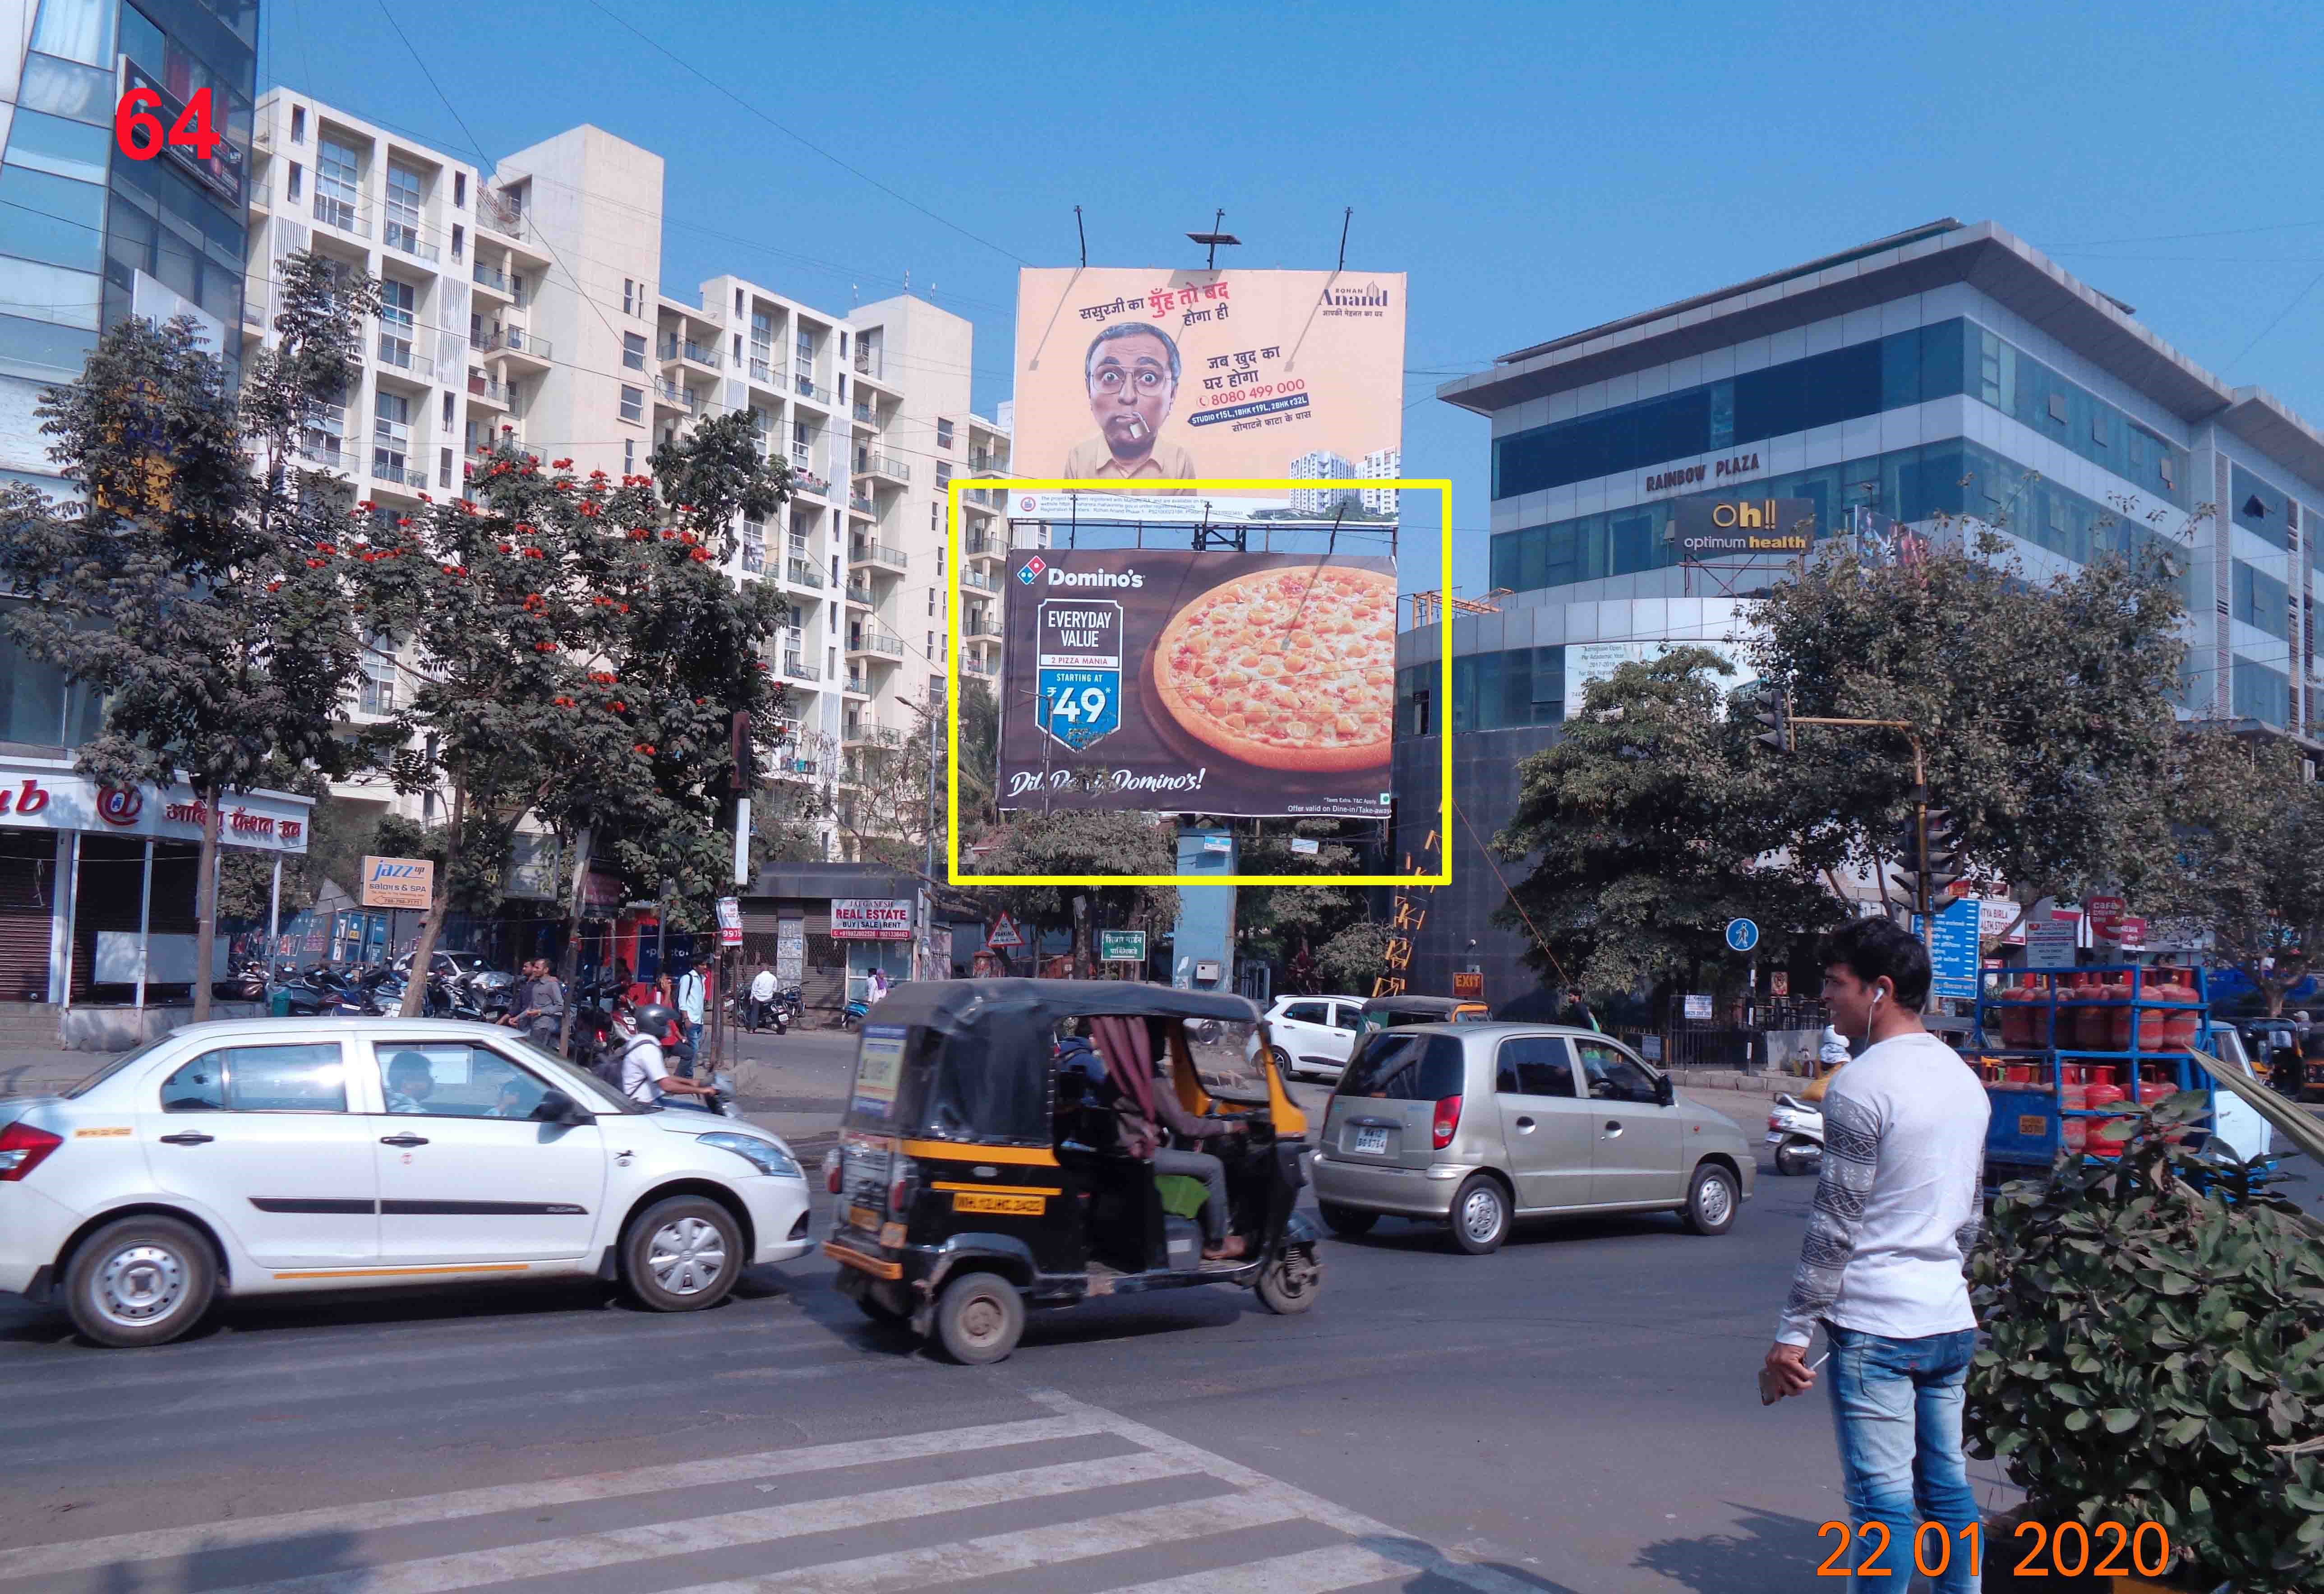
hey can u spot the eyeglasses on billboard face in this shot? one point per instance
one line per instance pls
(1110, 378)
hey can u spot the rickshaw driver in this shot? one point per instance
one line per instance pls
(1081, 1055)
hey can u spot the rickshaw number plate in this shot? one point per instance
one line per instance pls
(863, 1218)
(2033, 1124)
(1371, 1140)
(1020, 1205)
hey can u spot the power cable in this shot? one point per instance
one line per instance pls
(2273, 325)
(809, 144)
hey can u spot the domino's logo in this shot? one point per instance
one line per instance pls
(1031, 570)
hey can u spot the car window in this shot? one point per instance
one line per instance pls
(1347, 1017)
(1613, 1077)
(1534, 1065)
(1405, 1068)
(454, 1080)
(258, 1079)
(1307, 1013)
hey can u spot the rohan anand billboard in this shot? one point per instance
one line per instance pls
(1155, 378)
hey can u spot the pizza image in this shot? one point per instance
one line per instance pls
(1292, 668)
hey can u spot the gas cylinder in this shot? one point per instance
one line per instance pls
(2180, 1024)
(2010, 1015)
(2103, 1092)
(2094, 1023)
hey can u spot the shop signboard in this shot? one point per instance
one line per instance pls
(47, 798)
(730, 921)
(1698, 1004)
(2002, 919)
(1735, 530)
(870, 919)
(1953, 958)
(1153, 378)
(2051, 944)
(1249, 684)
(398, 882)
(2105, 912)
(1121, 945)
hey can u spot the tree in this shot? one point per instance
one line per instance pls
(2044, 708)
(1279, 923)
(1652, 827)
(2243, 859)
(209, 605)
(1355, 957)
(1081, 846)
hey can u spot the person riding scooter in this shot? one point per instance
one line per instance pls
(638, 1036)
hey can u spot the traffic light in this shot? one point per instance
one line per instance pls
(1772, 708)
(1947, 867)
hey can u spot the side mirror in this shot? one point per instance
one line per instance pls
(556, 1108)
(1666, 1093)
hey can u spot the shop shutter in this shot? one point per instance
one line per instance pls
(28, 882)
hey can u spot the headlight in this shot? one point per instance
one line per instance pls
(762, 1155)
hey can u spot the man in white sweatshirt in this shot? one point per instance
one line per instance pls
(1897, 1210)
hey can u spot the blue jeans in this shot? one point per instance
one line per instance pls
(1897, 1404)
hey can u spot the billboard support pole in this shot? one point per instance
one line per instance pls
(1347, 214)
(1083, 236)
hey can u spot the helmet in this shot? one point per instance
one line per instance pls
(663, 1023)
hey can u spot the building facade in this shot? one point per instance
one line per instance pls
(1951, 371)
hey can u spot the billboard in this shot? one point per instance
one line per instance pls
(870, 919)
(1743, 528)
(1251, 684)
(398, 882)
(1153, 378)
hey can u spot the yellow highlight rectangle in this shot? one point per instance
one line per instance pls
(1441, 486)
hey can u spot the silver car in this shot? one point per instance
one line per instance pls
(1482, 1124)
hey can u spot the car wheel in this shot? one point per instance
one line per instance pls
(682, 1255)
(143, 1280)
(1283, 1064)
(1710, 1201)
(979, 1319)
(1480, 1215)
(1792, 1160)
(1289, 1283)
(1347, 1222)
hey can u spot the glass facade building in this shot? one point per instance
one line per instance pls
(1947, 374)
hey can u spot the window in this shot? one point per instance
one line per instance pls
(943, 433)
(2261, 693)
(338, 190)
(738, 303)
(2260, 509)
(932, 600)
(633, 404)
(1534, 1065)
(2261, 601)
(298, 124)
(628, 456)
(1405, 1068)
(943, 476)
(634, 351)
(296, 175)
(629, 296)
(460, 190)
(405, 192)
(260, 1079)
(391, 435)
(1308, 1013)
(459, 240)
(451, 1079)
(930, 651)
(375, 693)
(447, 412)
(1613, 1077)
(444, 464)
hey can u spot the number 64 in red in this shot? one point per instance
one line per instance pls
(138, 131)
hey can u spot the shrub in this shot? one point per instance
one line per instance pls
(2154, 1352)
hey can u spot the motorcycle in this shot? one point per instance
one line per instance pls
(1796, 1129)
(593, 1021)
(319, 991)
(853, 1014)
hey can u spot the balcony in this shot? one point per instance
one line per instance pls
(800, 573)
(980, 626)
(406, 237)
(856, 682)
(491, 279)
(384, 469)
(864, 640)
(343, 214)
(670, 393)
(754, 558)
(975, 665)
(862, 551)
(260, 194)
(517, 341)
(762, 372)
(686, 348)
(983, 545)
(792, 768)
(397, 353)
(860, 502)
(253, 316)
(486, 389)
(867, 363)
(497, 211)
(865, 412)
(860, 592)
(806, 387)
(978, 581)
(318, 449)
(873, 463)
(798, 667)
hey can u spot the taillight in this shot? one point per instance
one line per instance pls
(1448, 1120)
(22, 1148)
(1774, 1120)
(904, 1175)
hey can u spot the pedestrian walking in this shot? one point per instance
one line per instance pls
(689, 1003)
(876, 988)
(540, 1005)
(1897, 1211)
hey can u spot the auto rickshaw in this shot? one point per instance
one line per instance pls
(982, 1170)
(1392, 1013)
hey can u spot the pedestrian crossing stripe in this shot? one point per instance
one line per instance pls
(1372, 1552)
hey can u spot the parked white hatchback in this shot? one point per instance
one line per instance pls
(1313, 1035)
(260, 1157)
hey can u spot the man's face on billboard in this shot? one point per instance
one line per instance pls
(1130, 392)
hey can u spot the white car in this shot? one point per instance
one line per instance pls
(1314, 1035)
(266, 1156)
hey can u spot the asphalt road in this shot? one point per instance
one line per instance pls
(1576, 1413)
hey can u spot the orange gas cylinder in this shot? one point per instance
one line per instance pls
(2094, 1024)
(2104, 1093)
(2180, 1024)
(2074, 1135)
(2012, 1017)
(2156, 1087)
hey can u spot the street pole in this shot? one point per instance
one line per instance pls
(1921, 898)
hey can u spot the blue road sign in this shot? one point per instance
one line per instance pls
(1742, 934)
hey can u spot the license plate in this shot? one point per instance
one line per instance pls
(1774, 1139)
(863, 1218)
(1015, 1206)
(1371, 1140)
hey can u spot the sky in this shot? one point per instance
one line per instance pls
(1533, 170)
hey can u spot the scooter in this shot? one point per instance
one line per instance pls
(1796, 1129)
(853, 1014)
